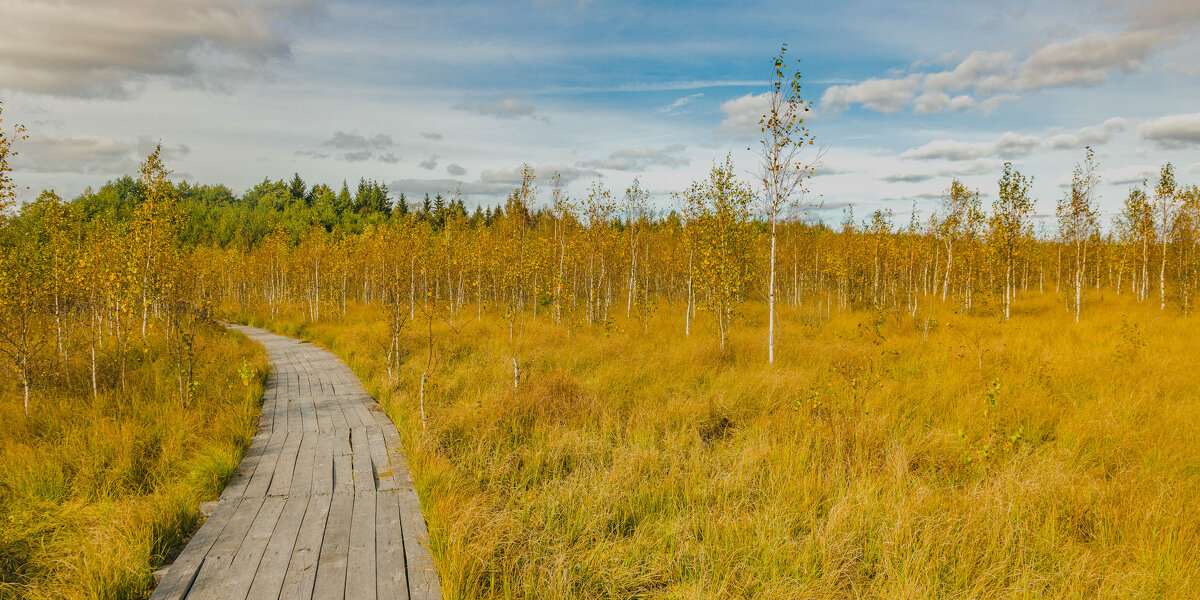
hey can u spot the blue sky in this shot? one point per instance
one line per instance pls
(427, 97)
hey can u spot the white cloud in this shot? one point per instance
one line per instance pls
(975, 167)
(354, 141)
(89, 154)
(988, 79)
(429, 163)
(491, 183)
(1165, 14)
(431, 135)
(640, 159)
(1173, 132)
(456, 169)
(673, 108)
(936, 102)
(977, 66)
(511, 176)
(1087, 60)
(883, 95)
(1088, 136)
(1009, 145)
(88, 48)
(355, 147)
(1129, 175)
(742, 116)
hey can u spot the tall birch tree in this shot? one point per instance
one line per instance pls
(786, 163)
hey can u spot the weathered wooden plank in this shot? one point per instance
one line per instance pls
(341, 442)
(321, 409)
(391, 580)
(236, 582)
(268, 579)
(336, 415)
(364, 474)
(245, 470)
(219, 558)
(281, 483)
(302, 474)
(322, 506)
(265, 471)
(360, 564)
(308, 412)
(322, 482)
(335, 546)
(422, 575)
(301, 576)
(379, 459)
(395, 452)
(343, 474)
(183, 571)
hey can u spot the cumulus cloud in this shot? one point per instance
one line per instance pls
(89, 154)
(1088, 136)
(936, 102)
(429, 163)
(986, 79)
(85, 48)
(1009, 145)
(880, 94)
(640, 159)
(742, 115)
(355, 147)
(971, 71)
(1087, 60)
(353, 141)
(456, 169)
(1173, 132)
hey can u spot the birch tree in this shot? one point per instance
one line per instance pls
(785, 166)
(8, 190)
(1165, 205)
(719, 209)
(1136, 225)
(1077, 221)
(1010, 218)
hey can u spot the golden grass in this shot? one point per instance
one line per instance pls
(1031, 459)
(95, 492)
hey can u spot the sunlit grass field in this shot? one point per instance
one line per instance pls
(885, 456)
(95, 492)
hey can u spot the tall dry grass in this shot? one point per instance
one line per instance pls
(884, 456)
(94, 493)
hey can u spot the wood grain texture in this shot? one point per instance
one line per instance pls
(321, 506)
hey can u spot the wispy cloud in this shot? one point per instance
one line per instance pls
(674, 107)
(640, 159)
(1010, 145)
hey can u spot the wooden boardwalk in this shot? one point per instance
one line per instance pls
(322, 506)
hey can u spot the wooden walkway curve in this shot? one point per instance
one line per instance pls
(322, 506)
